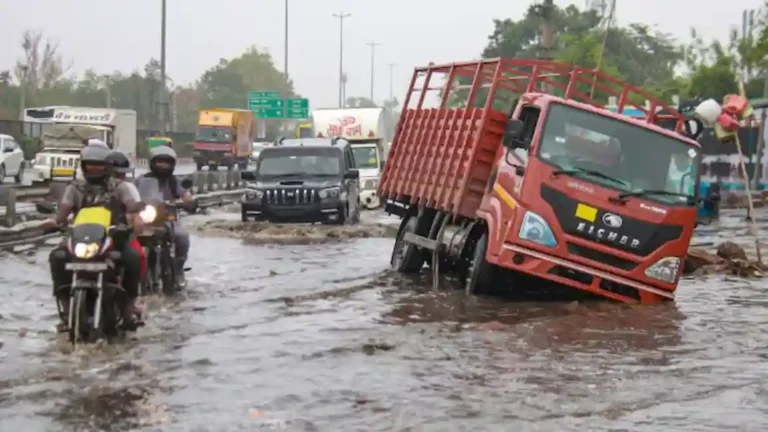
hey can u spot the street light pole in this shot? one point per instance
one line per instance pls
(162, 104)
(373, 46)
(285, 62)
(391, 87)
(341, 17)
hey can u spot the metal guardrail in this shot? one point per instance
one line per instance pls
(211, 189)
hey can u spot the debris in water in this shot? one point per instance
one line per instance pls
(729, 258)
(372, 346)
(267, 233)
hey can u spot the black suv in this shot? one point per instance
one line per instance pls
(303, 180)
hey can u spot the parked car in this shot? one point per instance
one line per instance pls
(11, 159)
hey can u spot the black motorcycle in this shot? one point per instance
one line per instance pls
(159, 242)
(96, 297)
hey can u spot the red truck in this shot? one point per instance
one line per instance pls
(534, 184)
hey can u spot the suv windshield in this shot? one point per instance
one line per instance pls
(365, 157)
(619, 155)
(214, 134)
(299, 161)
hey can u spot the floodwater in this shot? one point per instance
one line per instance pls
(324, 338)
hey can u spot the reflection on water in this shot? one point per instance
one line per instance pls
(325, 338)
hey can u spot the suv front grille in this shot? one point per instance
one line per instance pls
(290, 196)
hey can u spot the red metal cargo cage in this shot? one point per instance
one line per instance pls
(442, 157)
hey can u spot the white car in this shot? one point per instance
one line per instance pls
(11, 159)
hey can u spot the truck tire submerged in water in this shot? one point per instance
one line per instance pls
(482, 276)
(406, 257)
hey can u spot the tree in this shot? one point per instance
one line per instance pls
(360, 102)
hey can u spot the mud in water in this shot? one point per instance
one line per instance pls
(256, 233)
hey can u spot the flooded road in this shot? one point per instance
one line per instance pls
(324, 338)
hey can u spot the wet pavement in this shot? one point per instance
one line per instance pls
(324, 338)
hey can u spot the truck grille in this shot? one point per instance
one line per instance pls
(290, 196)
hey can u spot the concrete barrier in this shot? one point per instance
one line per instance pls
(21, 220)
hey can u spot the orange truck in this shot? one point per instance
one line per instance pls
(224, 138)
(533, 185)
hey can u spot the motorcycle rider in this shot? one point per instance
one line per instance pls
(121, 166)
(162, 163)
(122, 199)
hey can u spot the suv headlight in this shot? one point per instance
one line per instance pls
(253, 194)
(664, 270)
(535, 229)
(329, 193)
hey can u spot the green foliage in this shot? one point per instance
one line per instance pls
(634, 53)
(43, 75)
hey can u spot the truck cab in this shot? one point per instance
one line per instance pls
(224, 137)
(548, 190)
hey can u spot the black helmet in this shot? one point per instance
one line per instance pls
(162, 154)
(120, 162)
(95, 155)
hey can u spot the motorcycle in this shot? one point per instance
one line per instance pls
(96, 297)
(159, 240)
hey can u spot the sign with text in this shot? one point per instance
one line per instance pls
(269, 105)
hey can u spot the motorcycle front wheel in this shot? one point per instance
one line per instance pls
(168, 272)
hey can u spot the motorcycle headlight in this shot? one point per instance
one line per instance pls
(86, 250)
(329, 193)
(149, 214)
(253, 194)
(664, 270)
(535, 229)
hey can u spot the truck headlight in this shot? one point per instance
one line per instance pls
(535, 229)
(253, 194)
(86, 250)
(664, 270)
(329, 193)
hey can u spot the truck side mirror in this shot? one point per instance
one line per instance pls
(248, 175)
(693, 128)
(352, 174)
(512, 133)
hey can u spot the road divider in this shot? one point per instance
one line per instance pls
(22, 218)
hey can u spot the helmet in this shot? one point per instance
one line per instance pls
(120, 162)
(95, 158)
(162, 154)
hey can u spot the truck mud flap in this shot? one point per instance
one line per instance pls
(396, 208)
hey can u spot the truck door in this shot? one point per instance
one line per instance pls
(516, 160)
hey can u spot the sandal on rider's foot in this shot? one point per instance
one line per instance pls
(62, 328)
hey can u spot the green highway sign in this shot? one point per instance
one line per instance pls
(269, 105)
(297, 108)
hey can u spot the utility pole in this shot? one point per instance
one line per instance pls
(23, 92)
(373, 46)
(546, 12)
(163, 105)
(108, 90)
(391, 87)
(285, 62)
(341, 17)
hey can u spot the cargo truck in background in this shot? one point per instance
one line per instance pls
(364, 128)
(304, 130)
(526, 190)
(64, 130)
(224, 138)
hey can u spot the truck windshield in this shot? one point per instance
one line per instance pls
(214, 134)
(619, 155)
(365, 157)
(305, 162)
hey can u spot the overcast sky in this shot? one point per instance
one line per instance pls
(122, 35)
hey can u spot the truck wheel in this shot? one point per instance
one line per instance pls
(406, 257)
(2, 173)
(230, 167)
(199, 166)
(243, 216)
(480, 273)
